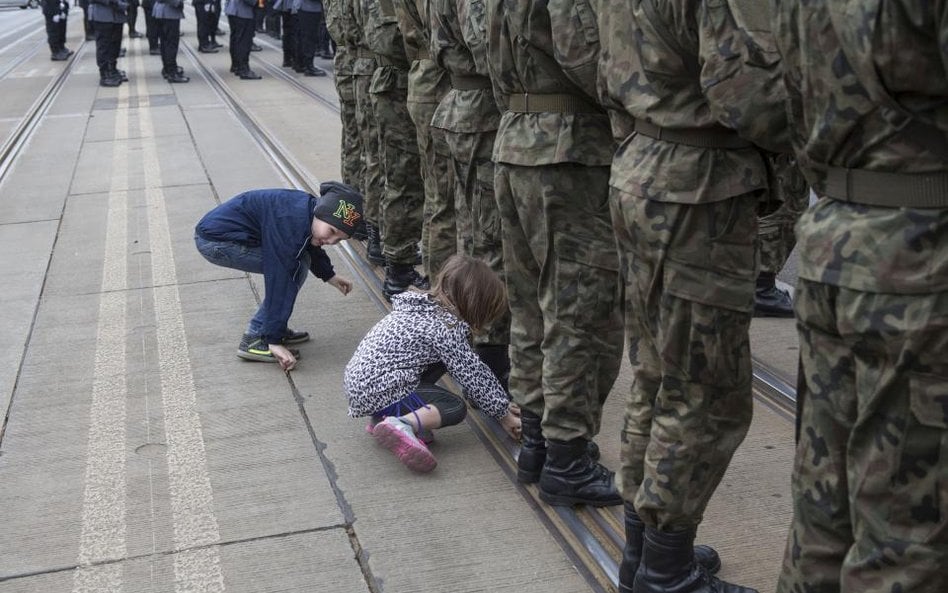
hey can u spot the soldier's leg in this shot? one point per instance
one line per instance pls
(522, 267)
(777, 215)
(871, 462)
(289, 39)
(353, 168)
(404, 196)
(704, 257)
(372, 183)
(438, 238)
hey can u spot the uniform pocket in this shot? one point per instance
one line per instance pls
(918, 485)
(587, 280)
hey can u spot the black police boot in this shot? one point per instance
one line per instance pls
(770, 301)
(570, 476)
(108, 78)
(122, 76)
(532, 448)
(668, 566)
(632, 553)
(399, 277)
(496, 358)
(313, 71)
(177, 76)
(373, 248)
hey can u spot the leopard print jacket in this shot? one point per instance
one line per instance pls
(418, 332)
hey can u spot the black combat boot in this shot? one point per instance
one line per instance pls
(669, 566)
(373, 248)
(532, 448)
(570, 476)
(496, 358)
(770, 301)
(107, 78)
(632, 553)
(399, 277)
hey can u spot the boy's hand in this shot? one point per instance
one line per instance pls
(511, 424)
(343, 285)
(284, 356)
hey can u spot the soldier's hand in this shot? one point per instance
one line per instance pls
(343, 285)
(284, 356)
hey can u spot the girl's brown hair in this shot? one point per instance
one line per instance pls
(469, 288)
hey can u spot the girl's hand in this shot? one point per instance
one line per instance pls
(511, 424)
(343, 285)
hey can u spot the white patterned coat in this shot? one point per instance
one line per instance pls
(417, 333)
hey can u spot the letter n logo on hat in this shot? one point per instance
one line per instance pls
(347, 213)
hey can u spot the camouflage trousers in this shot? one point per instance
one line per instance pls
(565, 297)
(403, 200)
(438, 229)
(689, 274)
(353, 167)
(869, 481)
(372, 183)
(777, 215)
(474, 188)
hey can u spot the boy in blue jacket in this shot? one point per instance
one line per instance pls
(280, 233)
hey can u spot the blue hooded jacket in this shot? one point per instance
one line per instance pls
(280, 222)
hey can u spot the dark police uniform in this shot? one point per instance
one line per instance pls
(169, 13)
(240, 15)
(55, 12)
(107, 18)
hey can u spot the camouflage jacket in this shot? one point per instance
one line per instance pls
(338, 27)
(427, 82)
(382, 35)
(520, 60)
(691, 68)
(873, 95)
(459, 45)
(346, 16)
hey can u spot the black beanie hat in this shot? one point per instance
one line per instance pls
(340, 205)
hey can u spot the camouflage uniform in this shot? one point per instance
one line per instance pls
(353, 167)
(469, 117)
(372, 184)
(870, 107)
(685, 214)
(404, 195)
(427, 84)
(552, 155)
(777, 214)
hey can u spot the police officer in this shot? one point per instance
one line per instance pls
(240, 15)
(868, 93)
(404, 195)
(203, 10)
(309, 16)
(287, 10)
(168, 14)
(108, 17)
(685, 187)
(133, 19)
(55, 13)
(552, 155)
(151, 28)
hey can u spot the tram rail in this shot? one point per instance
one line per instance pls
(21, 134)
(592, 538)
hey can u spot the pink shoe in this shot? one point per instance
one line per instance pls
(399, 438)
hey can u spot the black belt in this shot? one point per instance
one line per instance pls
(890, 190)
(550, 103)
(464, 82)
(716, 137)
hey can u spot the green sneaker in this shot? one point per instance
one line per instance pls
(256, 349)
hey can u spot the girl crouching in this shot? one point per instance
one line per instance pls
(392, 375)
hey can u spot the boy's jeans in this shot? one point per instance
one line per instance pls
(237, 256)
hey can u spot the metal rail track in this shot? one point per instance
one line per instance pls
(34, 115)
(592, 538)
